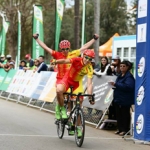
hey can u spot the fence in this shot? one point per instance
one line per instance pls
(38, 90)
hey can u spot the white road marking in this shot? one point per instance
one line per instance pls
(50, 136)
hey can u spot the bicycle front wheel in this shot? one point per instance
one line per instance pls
(79, 127)
(60, 128)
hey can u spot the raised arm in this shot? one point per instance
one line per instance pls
(43, 45)
(88, 44)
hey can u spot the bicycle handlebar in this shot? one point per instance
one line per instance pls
(80, 94)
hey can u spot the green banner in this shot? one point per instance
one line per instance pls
(19, 38)
(37, 28)
(7, 80)
(4, 31)
(3, 74)
(59, 16)
(0, 40)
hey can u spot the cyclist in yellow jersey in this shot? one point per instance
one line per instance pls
(63, 68)
(80, 66)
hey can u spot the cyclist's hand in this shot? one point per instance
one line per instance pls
(91, 101)
(53, 62)
(95, 36)
(35, 36)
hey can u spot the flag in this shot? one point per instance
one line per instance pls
(19, 38)
(5, 26)
(0, 40)
(37, 28)
(59, 16)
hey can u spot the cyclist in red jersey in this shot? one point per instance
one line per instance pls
(80, 66)
(63, 68)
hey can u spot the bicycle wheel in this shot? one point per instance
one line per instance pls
(79, 125)
(60, 128)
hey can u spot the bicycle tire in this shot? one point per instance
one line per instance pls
(79, 114)
(60, 128)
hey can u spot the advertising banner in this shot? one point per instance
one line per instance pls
(3, 35)
(103, 92)
(0, 41)
(31, 81)
(16, 82)
(142, 101)
(3, 74)
(44, 77)
(49, 92)
(19, 38)
(7, 80)
(59, 16)
(37, 28)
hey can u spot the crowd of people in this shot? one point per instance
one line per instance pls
(67, 76)
(37, 65)
(7, 63)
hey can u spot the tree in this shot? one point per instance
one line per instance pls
(132, 15)
(96, 27)
(113, 18)
(76, 25)
(26, 9)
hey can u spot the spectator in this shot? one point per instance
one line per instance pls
(115, 66)
(124, 97)
(36, 64)
(10, 66)
(42, 66)
(105, 67)
(2, 61)
(52, 67)
(30, 62)
(23, 64)
(8, 60)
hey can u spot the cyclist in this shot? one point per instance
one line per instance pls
(80, 66)
(63, 68)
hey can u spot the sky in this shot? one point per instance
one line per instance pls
(129, 3)
(71, 2)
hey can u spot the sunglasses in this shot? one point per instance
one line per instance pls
(63, 49)
(88, 58)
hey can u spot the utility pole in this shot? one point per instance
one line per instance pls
(97, 28)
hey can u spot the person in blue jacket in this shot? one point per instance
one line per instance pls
(124, 92)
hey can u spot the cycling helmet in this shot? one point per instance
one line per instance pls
(89, 53)
(64, 44)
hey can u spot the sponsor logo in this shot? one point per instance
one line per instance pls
(141, 67)
(140, 95)
(139, 124)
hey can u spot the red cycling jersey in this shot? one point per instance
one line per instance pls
(63, 68)
(76, 73)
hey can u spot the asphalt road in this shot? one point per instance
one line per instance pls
(27, 128)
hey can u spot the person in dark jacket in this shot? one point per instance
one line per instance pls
(42, 66)
(124, 88)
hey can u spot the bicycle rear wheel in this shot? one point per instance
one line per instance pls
(79, 125)
(60, 128)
